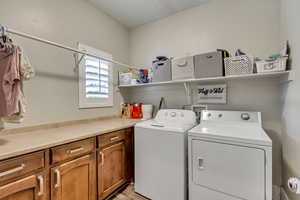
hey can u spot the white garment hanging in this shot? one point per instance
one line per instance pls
(27, 71)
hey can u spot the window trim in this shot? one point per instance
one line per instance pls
(94, 103)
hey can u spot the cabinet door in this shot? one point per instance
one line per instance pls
(30, 188)
(74, 180)
(129, 141)
(111, 168)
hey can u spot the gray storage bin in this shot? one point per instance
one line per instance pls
(209, 65)
(183, 68)
(161, 71)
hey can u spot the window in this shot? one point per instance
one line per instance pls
(95, 80)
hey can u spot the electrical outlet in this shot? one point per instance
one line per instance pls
(294, 185)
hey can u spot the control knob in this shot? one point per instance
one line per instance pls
(173, 114)
(245, 116)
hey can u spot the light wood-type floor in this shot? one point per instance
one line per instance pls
(128, 194)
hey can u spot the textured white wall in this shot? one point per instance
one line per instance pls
(291, 95)
(53, 94)
(251, 25)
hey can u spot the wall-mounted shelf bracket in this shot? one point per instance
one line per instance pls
(290, 77)
(78, 58)
(188, 92)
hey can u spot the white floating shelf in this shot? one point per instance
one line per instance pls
(213, 79)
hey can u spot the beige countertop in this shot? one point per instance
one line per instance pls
(22, 142)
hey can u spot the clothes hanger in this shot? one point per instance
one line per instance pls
(4, 37)
(1, 37)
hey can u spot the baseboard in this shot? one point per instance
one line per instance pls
(276, 192)
(2, 125)
(283, 195)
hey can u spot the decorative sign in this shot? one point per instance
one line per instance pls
(212, 94)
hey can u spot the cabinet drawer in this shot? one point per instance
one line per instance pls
(109, 138)
(72, 150)
(19, 166)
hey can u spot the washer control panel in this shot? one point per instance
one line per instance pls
(171, 114)
(176, 116)
(238, 116)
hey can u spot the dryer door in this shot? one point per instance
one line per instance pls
(236, 171)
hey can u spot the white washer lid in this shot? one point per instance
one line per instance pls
(173, 120)
(241, 132)
(170, 127)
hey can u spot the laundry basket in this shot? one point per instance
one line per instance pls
(238, 65)
(272, 66)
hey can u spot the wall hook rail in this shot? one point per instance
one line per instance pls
(25, 35)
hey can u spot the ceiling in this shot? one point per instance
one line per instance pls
(133, 13)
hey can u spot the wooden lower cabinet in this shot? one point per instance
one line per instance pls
(29, 188)
(111, 168)
(74, 171)
(115, 161)
(74, 180)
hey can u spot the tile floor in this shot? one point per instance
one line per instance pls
(128, 194)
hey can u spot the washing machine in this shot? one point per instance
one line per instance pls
(230, 157)
(161, 155)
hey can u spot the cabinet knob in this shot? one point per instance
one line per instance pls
(114, 138)
(12, 171)
(41, 181)
(57, 172)
(75, 150)
(102, 158)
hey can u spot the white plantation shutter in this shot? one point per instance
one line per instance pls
(95, 80)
